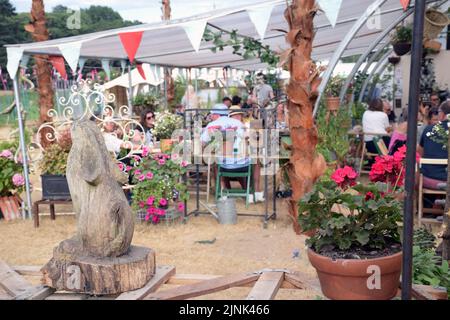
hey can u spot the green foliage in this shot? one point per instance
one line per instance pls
(333, 138)
(424, 239)
(429, 269)
(334, 86)
(358, 110)
(439, 134)
(358, 82)
(9, 169)
(165, 124)
(147, 101)
(402, 34)
(246, 47)
(55, 156)
(371, 224)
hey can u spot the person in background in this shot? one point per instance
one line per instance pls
(112, 141)
(398, 137)
(144, 134)
(179, 109)
(434, 176)
(236, 101)
(435, 100)
(387, 108)
(248, 103)
(227, 101)
(282, 117)
(375, 121)
(262, 92)
(431, 118)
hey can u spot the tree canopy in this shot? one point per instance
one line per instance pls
(92, 19)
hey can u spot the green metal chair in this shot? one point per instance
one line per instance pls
(236, 192)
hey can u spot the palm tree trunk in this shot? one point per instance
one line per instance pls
(446, 224)
(306, 165)
(39, 32)
(168, 80)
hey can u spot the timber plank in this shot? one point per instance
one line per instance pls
(36, 293)
(28, 270)
(267, 286)
(204, 287)
(11, 281)
(162, 274)
(300, 281)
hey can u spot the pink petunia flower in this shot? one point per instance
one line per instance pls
(155, 219)
(18, 180)
(141, 178)
(162, 161)
(147, 217)
(120, 164)
(163, 202)
(149, 175)
(180, 207)
(145, 151)
(141, 204)
(150, 200)
(128, 168)
(137, 172)
(175, 156)
(184, 163)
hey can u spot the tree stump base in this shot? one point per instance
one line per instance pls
(100, 276)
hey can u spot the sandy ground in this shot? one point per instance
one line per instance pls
(243, 247)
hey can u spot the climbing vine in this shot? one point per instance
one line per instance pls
(246, 47)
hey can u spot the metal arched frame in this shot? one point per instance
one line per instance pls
(379, 67)
(343, 45)
(374, 45)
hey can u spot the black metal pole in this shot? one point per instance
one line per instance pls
(413, 107)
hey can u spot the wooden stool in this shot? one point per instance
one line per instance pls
(51, 203)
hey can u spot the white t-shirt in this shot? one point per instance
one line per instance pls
(374, 122)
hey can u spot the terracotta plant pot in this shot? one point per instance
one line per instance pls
(402, 48)
(166, 145)
(434, 46)
(350, 279)
(333, 103)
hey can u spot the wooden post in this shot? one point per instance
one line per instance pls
(38, 29)
(306, 165)
(169, 85)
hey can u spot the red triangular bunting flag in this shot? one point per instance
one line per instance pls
(131, 42)
(141, 70)
(59, 64)
(405, 3)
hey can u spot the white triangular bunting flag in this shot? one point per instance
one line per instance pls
(71, 52)
(260, 18)
(14, 56)
(106, 68)
(331, 9)
(81, 62)
(194, 30)
(24, 61)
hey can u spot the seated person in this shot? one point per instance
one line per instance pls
(375, 121)
(434, 176)
(232, 159)
(112, 135)
(399, 135)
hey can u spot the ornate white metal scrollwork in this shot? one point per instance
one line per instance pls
(88, 100)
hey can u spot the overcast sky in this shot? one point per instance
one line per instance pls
(142, 10)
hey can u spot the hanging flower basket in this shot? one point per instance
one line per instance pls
(435, 22)
(401, 48)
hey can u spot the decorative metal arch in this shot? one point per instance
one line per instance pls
(379, 67)
(343, 45)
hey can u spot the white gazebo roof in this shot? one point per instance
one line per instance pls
(167, 44)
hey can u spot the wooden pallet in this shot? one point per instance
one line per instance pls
(265, 285)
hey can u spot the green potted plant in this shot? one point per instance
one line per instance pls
(333, 91)
(53, 169)
(144, 101)
(165, 124)
(356, 247)
(158, 189)
(401, 40)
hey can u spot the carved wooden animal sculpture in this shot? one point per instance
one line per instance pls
(105, 223)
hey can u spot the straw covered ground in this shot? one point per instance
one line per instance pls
(244, 247)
